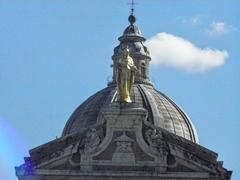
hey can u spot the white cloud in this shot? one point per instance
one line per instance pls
(219, 28)
(173, 51)
(194, 20)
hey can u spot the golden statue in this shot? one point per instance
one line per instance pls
(125, 73)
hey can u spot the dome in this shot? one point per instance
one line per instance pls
(162, 111)
(131, 33)
(132, 29)
(136, 47)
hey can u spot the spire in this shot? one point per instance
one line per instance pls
(133, 40)
(132, 18)
(133, 7)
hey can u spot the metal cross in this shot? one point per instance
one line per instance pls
(132, 6)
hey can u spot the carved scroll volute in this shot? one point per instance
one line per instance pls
(91, 141)
(87, 146)
(157, 143)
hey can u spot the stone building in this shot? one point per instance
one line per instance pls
(150, 138)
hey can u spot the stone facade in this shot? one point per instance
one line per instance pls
(150, 138)
(125, 146)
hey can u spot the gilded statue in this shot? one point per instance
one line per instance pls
(125, 71)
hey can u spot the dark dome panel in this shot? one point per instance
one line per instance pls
(86, 114)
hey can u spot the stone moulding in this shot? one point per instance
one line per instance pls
(125, 145)
(124, 119)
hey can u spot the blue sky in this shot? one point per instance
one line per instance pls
(55, 54)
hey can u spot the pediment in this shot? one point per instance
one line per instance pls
(127, 144)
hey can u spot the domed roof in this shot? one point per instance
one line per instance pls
(132, 29)
(131, 33)
(162, 111)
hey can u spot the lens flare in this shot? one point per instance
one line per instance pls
(12, 150)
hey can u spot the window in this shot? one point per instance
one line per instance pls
(143, 70)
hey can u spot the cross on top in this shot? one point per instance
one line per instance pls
(132, 6)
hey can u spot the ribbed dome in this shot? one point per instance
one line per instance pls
(132, 29)
(162, 111)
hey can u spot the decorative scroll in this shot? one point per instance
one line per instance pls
(157, 143)
(91, 141)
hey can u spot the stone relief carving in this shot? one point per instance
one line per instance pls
(91, 141)
(194, 158)
(86, 146)
(56, 154)
(123, 151)
(157, 143)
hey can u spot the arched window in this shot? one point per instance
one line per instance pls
(143, 70)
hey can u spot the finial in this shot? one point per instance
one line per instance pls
(132, 18)
(132, 7)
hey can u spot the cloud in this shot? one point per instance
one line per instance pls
(219, 28)
(194, 20)
(214, 28)
(173, 51)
